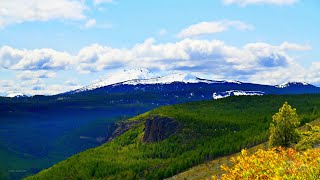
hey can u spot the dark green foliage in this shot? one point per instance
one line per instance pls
(210, 129)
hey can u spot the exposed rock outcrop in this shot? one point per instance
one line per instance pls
(158, 128)
(122, 127)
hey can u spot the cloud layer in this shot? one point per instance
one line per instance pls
(18, 11)
(37, 59)
(204, 28)
(255, 62)
(188, 54)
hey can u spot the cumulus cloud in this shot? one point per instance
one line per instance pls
(18, 11)
(268, 55)
(35, 87)
(254, 62)
(190, 54)
(249, 2)
(204, 28)
(45, 59)
(280, 75)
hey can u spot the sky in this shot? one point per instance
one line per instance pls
(49, 47)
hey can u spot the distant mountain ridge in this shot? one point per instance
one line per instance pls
(296, 84)
(144, 76)
(183, 84)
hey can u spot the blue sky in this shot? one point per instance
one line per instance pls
(66, 44)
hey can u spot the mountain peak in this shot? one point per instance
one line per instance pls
(121, 76)
(288, 84)
(180, 77)
(136, 71)
(170, 78)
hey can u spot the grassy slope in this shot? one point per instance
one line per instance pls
(211, 129)
(206, 170)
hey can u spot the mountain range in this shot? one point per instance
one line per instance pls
(186, 85)
(183, 84)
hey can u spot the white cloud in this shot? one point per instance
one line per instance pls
(90, 23)
(52, 89)
(36, 59)
(254, 62)
(35, 87)
(19, 11)
(295, 47)
(98, 2)
(188, 54)
(32, 75)
(293, 72)
(204, 28)
(248, 2)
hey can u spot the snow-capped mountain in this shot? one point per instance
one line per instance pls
(168, 79)
(144, 77)
(219, 95)
(288, 84)
(122, 76)
(13, 95)
(182, 84)
(176, 77)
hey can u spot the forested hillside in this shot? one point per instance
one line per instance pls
(171, 139)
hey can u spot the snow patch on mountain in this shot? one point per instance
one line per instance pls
(168, 79)
(13, 95)
(232, 81)
(287, 84)
(122, 76)
(219, 95)
(144, 76)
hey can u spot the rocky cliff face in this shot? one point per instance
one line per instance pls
(158, 128)
(121, 128)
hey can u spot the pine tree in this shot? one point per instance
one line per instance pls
(283, 130)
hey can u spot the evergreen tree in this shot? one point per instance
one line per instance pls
(283, 130)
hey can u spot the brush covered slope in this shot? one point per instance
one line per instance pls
(310, 139)
(171, 139)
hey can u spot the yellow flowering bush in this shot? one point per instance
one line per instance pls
(277, 163)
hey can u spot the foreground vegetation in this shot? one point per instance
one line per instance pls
(282, 161)
(210, 129)
(310, 138)
(278, 163)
